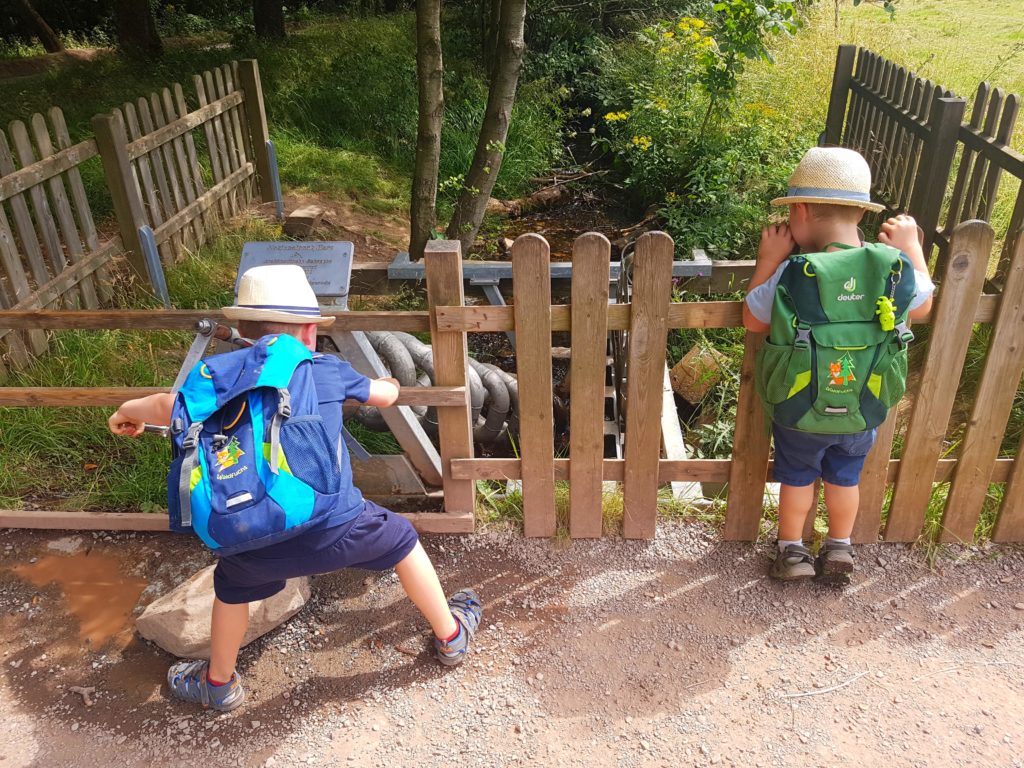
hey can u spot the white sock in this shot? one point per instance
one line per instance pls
(783, 544)
(839, 541)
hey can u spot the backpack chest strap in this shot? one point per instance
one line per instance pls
(284, 410)
(190, 445)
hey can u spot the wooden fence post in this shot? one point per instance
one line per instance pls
(443, 260)
(839, 96)
(648, 329)
(112, 141)
(953, 322)
(256, 119)
(531, 281)
(935, 165)
(1004, 364)
(591, 255)
(750, 446)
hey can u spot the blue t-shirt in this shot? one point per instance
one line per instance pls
(335, 382)
(760, 299)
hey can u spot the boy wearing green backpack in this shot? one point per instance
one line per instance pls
(835, 360)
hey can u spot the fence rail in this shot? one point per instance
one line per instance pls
(173, 169)
(912, 476)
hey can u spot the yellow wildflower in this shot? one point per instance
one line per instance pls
(664, 51)
(660, 103)
(669, 35)
(695, 36)
(643, 143)
(613, 117)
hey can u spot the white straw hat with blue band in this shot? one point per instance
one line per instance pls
(833, 176)
(276, 293)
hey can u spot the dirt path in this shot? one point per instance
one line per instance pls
(607, 653)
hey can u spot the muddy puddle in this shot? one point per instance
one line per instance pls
(95, 590)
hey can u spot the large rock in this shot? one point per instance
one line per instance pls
(179, 622)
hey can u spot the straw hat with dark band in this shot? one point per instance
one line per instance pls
(276, 293)
(831, 175)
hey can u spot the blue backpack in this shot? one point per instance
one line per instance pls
(252, 463)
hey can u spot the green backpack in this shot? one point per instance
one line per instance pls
(836, 358)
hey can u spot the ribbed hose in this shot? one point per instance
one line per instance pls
(489, 385)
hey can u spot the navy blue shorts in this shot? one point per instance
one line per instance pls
(803, 457)
(376, 540)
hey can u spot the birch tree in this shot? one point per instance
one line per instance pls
(430, 71)
(490, 148)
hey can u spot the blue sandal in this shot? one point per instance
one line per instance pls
(467, 609)
(187, 680)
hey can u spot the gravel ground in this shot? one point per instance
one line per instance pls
(599, 653)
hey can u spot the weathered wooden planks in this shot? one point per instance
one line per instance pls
(443, 260)
(956, 302)
(1004, 364)
(531, 268)
(751, 445)
(652, 293)
(591, 260)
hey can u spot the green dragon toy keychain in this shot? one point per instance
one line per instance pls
(886, 313)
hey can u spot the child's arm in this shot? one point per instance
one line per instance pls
(776, 246)
(901, 232)
(129, 419)
(383, 392)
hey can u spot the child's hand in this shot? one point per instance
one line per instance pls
(121, 423)
(777, 244)
(900, 232)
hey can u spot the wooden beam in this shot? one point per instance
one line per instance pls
(690, 314)
(202, 204)
(424, 522)
(80, 397)
(181, 126)
(185, 319)
(57, 163)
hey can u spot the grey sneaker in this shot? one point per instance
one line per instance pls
(795, 563)
(187, 681)
(834, 562)
(467, 609)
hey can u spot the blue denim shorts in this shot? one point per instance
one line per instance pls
(803, 457)
(376, 540)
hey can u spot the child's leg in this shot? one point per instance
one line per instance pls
(227, 630)
(795, 501)
(420, 582)
(842, 502)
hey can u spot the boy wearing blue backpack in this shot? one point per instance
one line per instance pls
(835, 360)
(261, 474)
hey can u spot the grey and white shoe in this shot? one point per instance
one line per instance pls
(467, 609)
(834, 562)
(187, 680)
(794, 563)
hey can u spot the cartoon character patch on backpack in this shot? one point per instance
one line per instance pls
(836, 357)
(252, 462)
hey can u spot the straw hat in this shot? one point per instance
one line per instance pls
(831, 175)
(276, 293)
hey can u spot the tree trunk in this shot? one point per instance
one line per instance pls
(469, 211)
(136, 29)
(268, 18)
(51, 43)
(430, 71)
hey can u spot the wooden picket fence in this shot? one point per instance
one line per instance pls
(649, 316)
(911, 131)
(175, 169)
